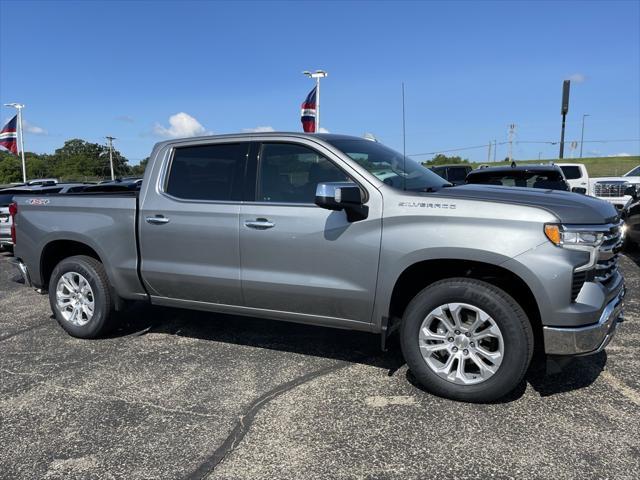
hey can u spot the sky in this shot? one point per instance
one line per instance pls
(145, 71)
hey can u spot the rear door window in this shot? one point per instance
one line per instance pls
(208, 172)
(571, 172)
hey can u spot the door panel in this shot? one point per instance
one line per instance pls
(312, 261)
(189, 234)
(297, 257)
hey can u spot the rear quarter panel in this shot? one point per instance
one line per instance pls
(106, 223)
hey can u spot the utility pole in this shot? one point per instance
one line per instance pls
(582, 134)
(489, 154)
(512, 131)
(495, 149)
(318, 74)
(110, 140)
(19, 107)
(566, 85)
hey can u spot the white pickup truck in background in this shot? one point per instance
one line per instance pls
(612, 189)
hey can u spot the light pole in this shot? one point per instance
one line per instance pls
(318, 74)
(582, 134)
(110, 140)
(19, 107)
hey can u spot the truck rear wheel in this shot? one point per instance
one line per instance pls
(80, 297)
(466, 340)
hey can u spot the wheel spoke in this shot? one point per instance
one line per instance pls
(426, 334)
(67, 283)
(492, 356)
(455, 309)
(485, 370)
(491, 331)
(433, 347)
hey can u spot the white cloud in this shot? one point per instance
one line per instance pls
(180, 125)
(577, 78)
(323, 130)
(261, 129)
(125, 118)
(621, 154)
(33, 129)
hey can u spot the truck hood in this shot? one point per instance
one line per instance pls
(570, 208)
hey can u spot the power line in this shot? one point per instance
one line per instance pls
(475, 147)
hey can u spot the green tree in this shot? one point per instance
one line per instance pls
(79, 159)
(10, 169)
(138, 170)
(441, 159)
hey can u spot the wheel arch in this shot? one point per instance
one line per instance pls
(420, 275)
(57, 250)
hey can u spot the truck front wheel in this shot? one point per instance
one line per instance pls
(467, 340)
(80, 296)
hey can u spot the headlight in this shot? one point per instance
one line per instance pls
(561, 236)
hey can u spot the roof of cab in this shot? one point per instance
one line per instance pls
(248, 135)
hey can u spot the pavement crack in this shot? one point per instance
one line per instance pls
(246, 420)
(113, 398)
(25, 330)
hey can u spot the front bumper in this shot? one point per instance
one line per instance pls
(589, 339)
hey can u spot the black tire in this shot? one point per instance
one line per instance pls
(508, 315)
(94, 272)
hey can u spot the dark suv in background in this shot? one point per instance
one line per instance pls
(548, 177)
(455, 174)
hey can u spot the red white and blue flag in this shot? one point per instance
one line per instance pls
(9, 136)
(308, 114)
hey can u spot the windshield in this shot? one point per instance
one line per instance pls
(633, 173)
(389, 166)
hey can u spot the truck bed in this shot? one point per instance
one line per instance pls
(105, 221)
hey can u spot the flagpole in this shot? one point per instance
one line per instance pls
(317, 104)
(19, 107)
(24, 163)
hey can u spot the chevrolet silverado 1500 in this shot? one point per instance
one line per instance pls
(342, 232)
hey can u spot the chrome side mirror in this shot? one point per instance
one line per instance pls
(345, 196)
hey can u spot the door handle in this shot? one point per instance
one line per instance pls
(259, 224)
(157, 220)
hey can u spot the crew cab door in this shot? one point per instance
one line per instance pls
(297, 257)
(189, 239)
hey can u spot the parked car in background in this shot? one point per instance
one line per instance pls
(290, 227)
(454, 174)
(118, 185)
(576, 176)
(619, 191)
(548, 177)
(615, 190)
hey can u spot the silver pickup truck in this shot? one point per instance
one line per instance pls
(342, 232)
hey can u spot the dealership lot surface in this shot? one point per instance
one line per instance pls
(180, 394)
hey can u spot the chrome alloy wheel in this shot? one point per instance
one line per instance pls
(75, 299)
(461, 343)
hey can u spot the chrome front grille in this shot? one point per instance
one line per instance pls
(610, 189)
(607, 264)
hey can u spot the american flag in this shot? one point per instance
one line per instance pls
(308, 114)
(9, 136)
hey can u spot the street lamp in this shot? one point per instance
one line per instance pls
(582, 135)
(19, 107)
(318, 74)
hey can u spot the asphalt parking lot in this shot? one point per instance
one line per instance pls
(180, 394)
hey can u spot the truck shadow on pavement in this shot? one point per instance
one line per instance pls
(341, 345)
